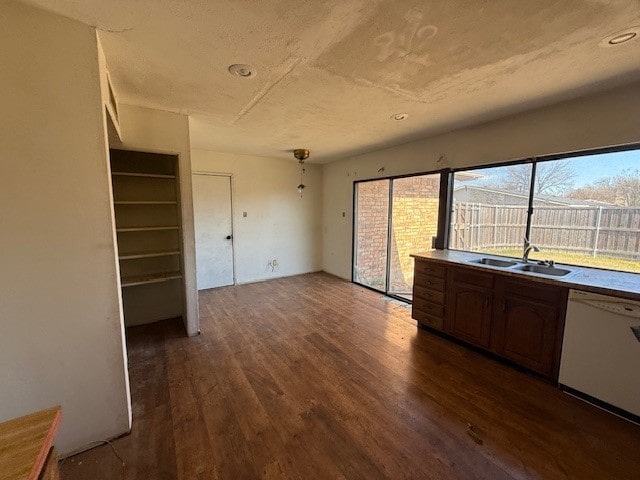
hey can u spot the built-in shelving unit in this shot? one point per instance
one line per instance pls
(148, 227)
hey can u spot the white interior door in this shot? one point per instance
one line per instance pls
(213, 229)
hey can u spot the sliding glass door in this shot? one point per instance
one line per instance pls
(393, 218)
(371, 234)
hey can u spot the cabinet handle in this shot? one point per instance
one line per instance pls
(504, 305)
(486, 302)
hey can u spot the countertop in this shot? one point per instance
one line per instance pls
(605, 282)
(25, 443)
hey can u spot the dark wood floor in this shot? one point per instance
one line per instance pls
(311, 377)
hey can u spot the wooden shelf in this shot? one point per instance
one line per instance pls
(162, 253)
(145, 202)
(150, 278)
(147, 229)
(147, 175)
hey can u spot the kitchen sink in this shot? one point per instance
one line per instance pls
(494, 262)
(545, 270)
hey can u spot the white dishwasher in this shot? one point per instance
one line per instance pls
(601, 351)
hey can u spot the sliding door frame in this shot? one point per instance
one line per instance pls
(444, 195)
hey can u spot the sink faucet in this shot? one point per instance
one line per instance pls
(528, 246)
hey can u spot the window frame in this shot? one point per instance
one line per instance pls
(530, 208)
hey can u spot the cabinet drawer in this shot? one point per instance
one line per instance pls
(549, 294)
(429, 308)
(427, 294)
(424, 318)
(429, 268)
(471, 277)
(431, 283)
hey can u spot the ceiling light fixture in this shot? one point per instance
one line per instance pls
(301, 154)
(398, 117)
(621, 37)
(241, 70)
(625, 37)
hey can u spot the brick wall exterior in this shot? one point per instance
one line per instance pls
(371, 246)
(415, 222)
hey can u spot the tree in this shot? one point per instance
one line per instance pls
(552, 178)
(623, 190)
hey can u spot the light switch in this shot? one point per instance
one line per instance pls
(244, 214)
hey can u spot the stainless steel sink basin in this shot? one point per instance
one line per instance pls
(545, 270)
(494, 262)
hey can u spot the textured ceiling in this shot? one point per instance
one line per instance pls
(331, 73)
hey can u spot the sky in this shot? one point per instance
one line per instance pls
(593, 167)
(588, 168)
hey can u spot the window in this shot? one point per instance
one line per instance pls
(583, 210)
(587, 211)
(490, 207)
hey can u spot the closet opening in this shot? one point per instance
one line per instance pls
(149, 235)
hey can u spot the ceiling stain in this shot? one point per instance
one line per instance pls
(406, 49)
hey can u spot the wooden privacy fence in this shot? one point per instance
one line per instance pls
(592, 230)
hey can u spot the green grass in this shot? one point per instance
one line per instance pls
(569, 258)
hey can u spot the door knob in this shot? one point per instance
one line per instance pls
(229, 237)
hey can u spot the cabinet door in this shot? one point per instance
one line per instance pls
(528, 332)
(469, 313)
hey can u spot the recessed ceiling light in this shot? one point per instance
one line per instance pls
(242, 70)
(399, 117)
(621, 37)
(625, 37)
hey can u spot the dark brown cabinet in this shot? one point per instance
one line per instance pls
(520, 319)
(528, 324)
(429, 294)
(469, 306)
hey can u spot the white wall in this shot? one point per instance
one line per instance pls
(610, 118)
(61, 329)
(279, 224)
(159, 131)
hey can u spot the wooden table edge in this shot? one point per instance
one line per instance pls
(46, 445)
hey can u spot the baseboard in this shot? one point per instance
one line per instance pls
(92, 445)
(266, 279)
(607, 407)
